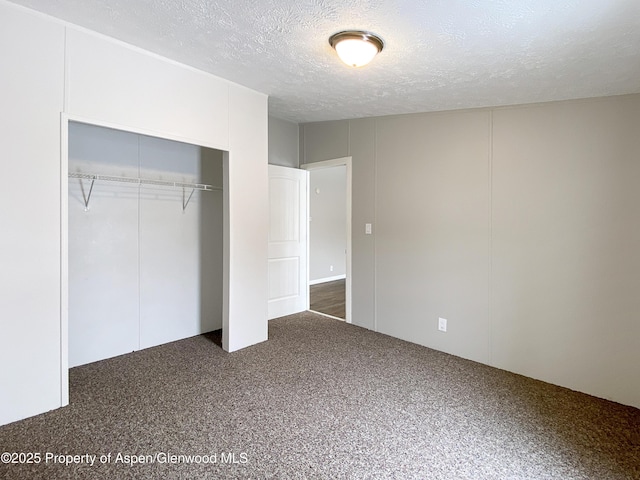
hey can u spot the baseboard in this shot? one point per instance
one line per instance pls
(327, 279)
(326, 315)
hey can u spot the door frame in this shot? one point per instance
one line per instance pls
(337, 162)
(65, 119)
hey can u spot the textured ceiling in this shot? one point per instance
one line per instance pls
(439, 54)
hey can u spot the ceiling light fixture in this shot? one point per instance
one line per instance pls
(356, 48)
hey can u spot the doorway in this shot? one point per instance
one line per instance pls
(329, 241)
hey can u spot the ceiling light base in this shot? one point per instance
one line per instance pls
(356, 48)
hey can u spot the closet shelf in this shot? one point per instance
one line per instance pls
(143, 181)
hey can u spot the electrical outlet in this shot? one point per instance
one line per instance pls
(331, 268)
(442, 324)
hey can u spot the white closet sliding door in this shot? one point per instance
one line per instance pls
(169, 244)
(103, 246)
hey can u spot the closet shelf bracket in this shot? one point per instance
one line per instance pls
(87, 196)
(185, 203)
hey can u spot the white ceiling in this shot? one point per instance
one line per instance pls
(439, 54)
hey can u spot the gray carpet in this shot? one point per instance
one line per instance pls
(323, 399)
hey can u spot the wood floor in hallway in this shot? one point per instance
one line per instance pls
(329, 298)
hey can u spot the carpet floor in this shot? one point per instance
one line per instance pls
(320, 400)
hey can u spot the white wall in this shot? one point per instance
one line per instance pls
(120, 85)
(60, 69)
(31, 95)
(519, 225)
(247, 194)
(328, 223)
(140, 271)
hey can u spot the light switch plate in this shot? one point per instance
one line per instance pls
(442, 324)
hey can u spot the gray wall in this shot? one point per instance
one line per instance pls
(328, 223)
(283, 143)
(519, 225)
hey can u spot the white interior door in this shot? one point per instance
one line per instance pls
(288, 292)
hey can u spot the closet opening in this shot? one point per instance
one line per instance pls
(145, 242)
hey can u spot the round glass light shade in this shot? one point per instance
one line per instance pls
(356, 49)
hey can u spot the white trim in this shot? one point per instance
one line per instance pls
(308, 233)
(336, 162)
(64, 260)
(327, 279)
(145, 131)
(326, 315)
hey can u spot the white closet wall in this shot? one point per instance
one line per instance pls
(31, 95)
(60, 72)
(142, 270)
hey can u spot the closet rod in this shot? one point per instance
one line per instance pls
(144, 181)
